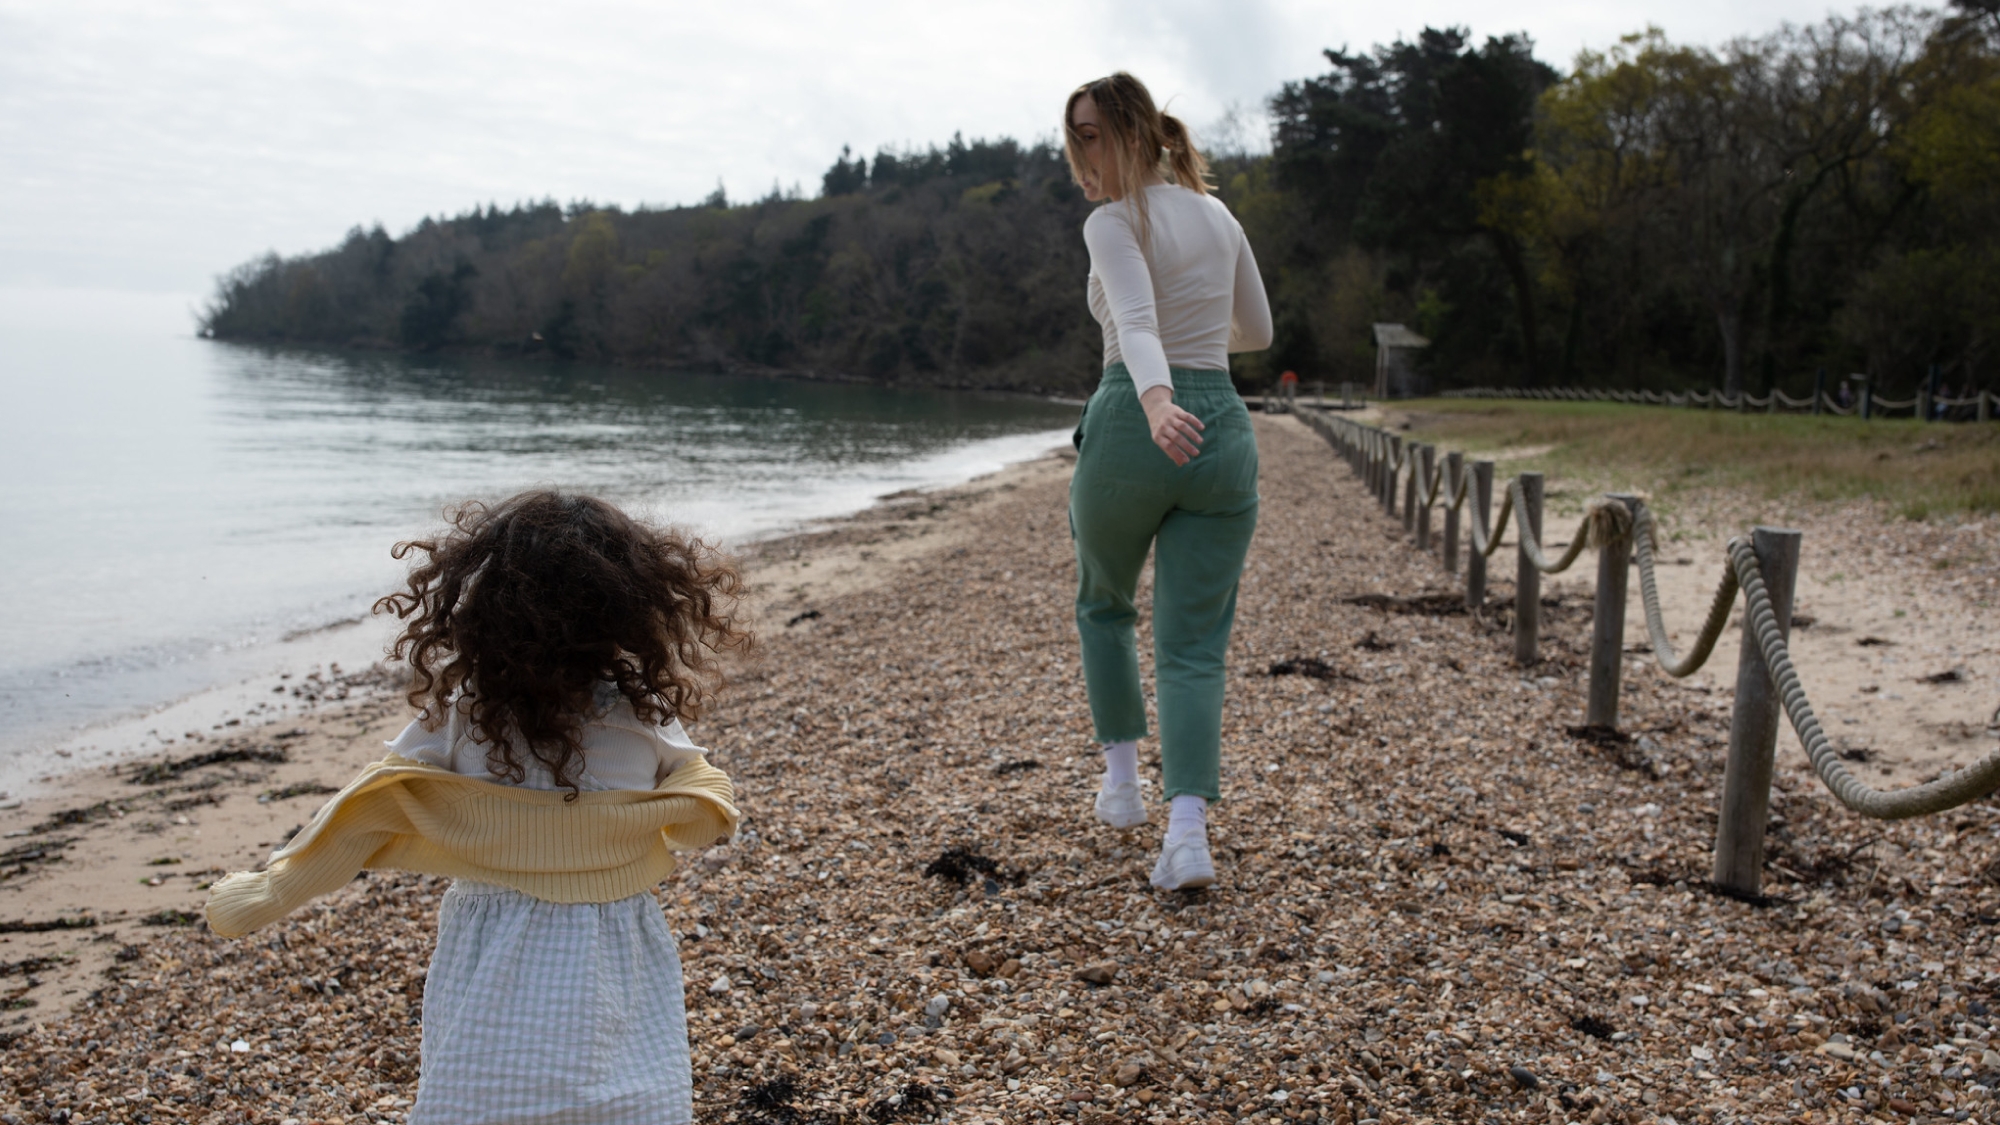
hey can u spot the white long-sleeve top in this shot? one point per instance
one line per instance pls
(1189, 298)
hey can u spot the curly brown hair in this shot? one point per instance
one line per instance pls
(519, 612)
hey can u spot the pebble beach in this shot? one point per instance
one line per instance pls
(1437, 903)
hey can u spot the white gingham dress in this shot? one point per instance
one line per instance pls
(543, 1013)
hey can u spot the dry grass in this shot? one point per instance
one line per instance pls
(1922, 471)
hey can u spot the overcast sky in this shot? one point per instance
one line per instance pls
(148, 145)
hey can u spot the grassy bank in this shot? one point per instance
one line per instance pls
(1922, 471)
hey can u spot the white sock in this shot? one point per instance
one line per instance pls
(1121, 764)
(1187, 815)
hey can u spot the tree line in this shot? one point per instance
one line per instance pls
(1817, 198)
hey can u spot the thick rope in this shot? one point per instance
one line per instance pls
(1604, 521)
(1656, 625)
(1949, 791)
(1487, 540)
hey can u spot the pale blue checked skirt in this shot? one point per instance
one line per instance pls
(542, 1013)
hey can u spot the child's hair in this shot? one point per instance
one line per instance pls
(523, 609)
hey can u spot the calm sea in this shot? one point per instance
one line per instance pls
(181, 514)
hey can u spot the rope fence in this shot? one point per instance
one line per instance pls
(1762, 568)
(1979, 407)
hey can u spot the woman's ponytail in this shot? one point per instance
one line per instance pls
(1190, 168)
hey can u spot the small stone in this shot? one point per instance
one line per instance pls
(1128, 1075)
(240, 1047)
(937, 1005)
(980, 962)
(720, 986)
(945, 1057)
(886, 1039)
(1523, 1077)
(1099, 974)
(1903, 1106)
(1008, 970)
(1840, 1051)
(1145, 1097)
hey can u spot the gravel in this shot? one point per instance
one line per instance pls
(1436, 904)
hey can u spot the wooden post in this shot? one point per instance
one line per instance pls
(1867, 400)
(1412, 461)
(1528, 580)
(1454, 472)
(1475, 560)
(1389, 467)
(1985, 406)
(1927, 402)
(1426, 465)
(1753, 727)
(1607, 634)
(1819, 389)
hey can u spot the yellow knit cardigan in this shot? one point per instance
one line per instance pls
(600, 847)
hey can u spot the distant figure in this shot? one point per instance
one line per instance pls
(1166, 458)
(1846, 395)
(1938, 407)
(556, 644)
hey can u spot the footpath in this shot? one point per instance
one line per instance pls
(1436, 904)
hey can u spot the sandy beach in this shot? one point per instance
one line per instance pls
(1436, 903)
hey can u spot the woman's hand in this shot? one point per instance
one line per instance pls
(1175, 431)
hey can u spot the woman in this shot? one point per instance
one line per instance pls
(1164, 454)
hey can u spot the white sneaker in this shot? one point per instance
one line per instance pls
(1120, 806)
(1184, 865)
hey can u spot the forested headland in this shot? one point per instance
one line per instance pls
(1657, 215)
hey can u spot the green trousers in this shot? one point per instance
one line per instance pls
(1128, 495)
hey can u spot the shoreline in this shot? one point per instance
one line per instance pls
(91, 859)
(358, 346)
(252, 687)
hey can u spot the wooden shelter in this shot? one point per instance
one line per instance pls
(1396, 374)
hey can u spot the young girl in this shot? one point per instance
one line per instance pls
(556, 644)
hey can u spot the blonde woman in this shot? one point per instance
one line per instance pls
(1166, 459)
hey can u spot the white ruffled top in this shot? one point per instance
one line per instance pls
(620, 751)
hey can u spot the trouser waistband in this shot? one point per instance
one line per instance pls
(1185, 378)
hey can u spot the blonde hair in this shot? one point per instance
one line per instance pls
(1140, 139)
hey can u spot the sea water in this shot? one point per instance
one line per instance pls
(179, 514)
